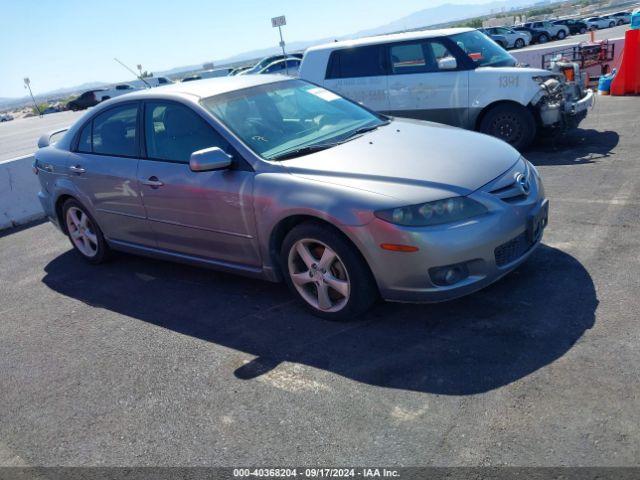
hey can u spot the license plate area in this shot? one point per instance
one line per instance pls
(537, 222)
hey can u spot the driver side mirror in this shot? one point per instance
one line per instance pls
(208, 159)
(447, 63)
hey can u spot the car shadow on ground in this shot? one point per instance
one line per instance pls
(576, 147)
(481, 342)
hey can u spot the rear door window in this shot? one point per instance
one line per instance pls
(356, 62)
(114, 131)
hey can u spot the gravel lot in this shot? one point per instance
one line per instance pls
(141, 362)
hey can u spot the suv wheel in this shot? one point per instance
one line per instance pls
(512, 123)
(543, 38)
(583, 30)
(326, 272)
(519, 43)
(612, 24)
(84, 233)
(561, 35)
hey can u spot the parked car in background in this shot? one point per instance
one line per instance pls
(280, 179)
(5, 117)
(537, 36)
(115, 91)
(238, 70)
(287, 66)
(507, 38)
(150, 82)
(265, 62)
(596, 23)
(85, 100)
(621, 18)
(191, 78)
(555, 31)
(455, 76)
(575, 26)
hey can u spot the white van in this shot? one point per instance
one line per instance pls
(457, 76)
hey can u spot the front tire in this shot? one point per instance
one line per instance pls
(83, 232)
(583, 30)
(561, 35)
(519, 43)
(544, 38)
(511, 123)
(326, 272)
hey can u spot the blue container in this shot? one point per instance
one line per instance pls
(604, 83)
(635, 19)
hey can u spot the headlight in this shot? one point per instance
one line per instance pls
(448, 210)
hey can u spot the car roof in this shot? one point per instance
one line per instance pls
(395, 37)
(206, 87)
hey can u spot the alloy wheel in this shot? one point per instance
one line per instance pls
(319, 275)
(82, 232)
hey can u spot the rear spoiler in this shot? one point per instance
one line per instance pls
(45, 139)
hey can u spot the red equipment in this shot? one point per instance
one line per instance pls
(627, 80)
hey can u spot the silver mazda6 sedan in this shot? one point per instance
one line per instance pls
(283, 180)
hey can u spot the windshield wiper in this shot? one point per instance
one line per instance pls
(298, 152)
(361, 130)
(316, 147)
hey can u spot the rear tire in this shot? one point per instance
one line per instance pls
(511, 123)
(583, 30)
(544, 38)
(83, 232)
(326, 272)
(612, 24)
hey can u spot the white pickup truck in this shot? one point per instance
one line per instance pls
(455, 76)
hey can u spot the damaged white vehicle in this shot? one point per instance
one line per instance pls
(456, 76)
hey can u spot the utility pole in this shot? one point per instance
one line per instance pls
(279, 22)
(27, 84)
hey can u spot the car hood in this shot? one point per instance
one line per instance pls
(411, 161)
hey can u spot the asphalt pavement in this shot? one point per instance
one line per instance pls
(20, 137)
(142, 362)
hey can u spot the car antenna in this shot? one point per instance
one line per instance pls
(140, 77)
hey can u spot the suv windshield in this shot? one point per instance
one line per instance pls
(484, 51)
(290, 118)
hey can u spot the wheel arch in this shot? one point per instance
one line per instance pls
(286, 224)
(60, 201)
(491, 106)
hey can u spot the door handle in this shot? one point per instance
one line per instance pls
(153, 182)
(77, 169)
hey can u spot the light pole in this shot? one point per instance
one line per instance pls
(27, 84)
(279, 22)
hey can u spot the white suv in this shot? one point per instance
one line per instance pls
(455, 76)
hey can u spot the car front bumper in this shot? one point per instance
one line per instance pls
(489, 247)
(568, 114)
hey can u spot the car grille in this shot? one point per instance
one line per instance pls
(512, 250)
(513, 193)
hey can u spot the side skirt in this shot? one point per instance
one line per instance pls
(236, 268)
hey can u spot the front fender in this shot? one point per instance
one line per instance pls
(279, 196)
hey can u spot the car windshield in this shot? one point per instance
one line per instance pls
(484, 51)
(290, 118)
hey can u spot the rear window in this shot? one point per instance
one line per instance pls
(356, 62)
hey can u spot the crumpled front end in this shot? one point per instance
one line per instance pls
(561, 101)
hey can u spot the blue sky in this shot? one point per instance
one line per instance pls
(68, 42)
